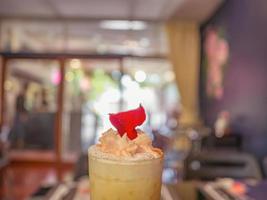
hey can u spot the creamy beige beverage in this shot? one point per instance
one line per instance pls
(124, 169)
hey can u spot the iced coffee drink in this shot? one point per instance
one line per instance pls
(125, 168)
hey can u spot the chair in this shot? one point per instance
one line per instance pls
(230, 142)
(215, 164)
(81, 167)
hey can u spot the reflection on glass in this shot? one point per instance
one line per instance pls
(81, 37)
(91, 92)
(95, 88)
(150, 82)
(30, 103)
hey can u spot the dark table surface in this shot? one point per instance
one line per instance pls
(180, 191)
(240, 190)
(188, 190)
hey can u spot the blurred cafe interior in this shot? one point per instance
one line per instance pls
(198, 68)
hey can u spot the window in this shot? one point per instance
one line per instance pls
(30, 103)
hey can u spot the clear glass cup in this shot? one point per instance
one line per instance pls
(121, 180)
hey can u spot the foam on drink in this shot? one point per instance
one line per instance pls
(114, 147)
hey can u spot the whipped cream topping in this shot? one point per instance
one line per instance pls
(112, 146)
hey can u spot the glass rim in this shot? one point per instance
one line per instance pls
(124, 161)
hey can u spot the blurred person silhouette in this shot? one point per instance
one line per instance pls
(222, 124)
(163, 136)
(44, 107)
(18, 131)
(36, 102)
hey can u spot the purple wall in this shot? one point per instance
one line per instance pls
(245, 82)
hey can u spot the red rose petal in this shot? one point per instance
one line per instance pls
(132, 134)
(118, 125)
(125, 122)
